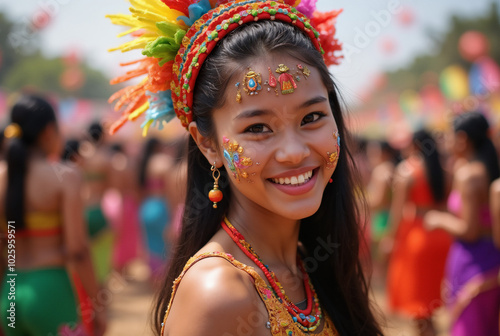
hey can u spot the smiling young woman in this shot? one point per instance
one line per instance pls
(278, 253)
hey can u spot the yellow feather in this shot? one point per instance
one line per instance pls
(129, 31)
(145, 129)
(140, 110)
(155, 6)
(140, 14)
(123, 20)
(158, 8)
(135, 44)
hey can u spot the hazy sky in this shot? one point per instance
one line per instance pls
(364, 27)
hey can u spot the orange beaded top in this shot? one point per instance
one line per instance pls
(280, 321)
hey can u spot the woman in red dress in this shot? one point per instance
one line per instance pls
(417, 261)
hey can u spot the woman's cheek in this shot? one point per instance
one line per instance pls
(236, 159)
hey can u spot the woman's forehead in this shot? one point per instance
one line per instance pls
(274, 83)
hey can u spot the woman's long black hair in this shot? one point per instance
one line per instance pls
(32, 114)
(339, 280)
(475, 125)
(427, 146)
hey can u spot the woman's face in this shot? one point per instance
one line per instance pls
(280, 150)
(456, 143)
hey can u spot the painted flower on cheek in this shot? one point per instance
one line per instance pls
(333, 158)
(235, 160)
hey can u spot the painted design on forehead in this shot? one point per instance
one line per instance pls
(333, 158)
(235, 160)
(305, 70)
(286, 80)
(252, 82)
(272, 81)
(238, 93)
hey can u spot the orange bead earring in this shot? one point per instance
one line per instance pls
(215, 195)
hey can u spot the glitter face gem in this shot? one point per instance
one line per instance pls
(272, 81)
(252, 82)
(333, 158)
(235, 160)
(305, 70)
(238, 94)
(285, 79)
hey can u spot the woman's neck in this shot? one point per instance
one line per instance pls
(272, 237)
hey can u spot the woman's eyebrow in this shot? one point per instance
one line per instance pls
(252, 113)
(312, 101)
(260, 112)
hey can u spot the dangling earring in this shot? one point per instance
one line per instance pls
(215, 195)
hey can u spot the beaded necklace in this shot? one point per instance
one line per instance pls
(307, 319)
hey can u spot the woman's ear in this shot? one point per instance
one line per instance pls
(206, 145)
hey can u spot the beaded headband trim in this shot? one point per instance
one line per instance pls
(176, 36)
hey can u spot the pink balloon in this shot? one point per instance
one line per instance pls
(406, 17)
(72, 57)
(40, 19)
(388, 45)
(72, 79)
(473, 45)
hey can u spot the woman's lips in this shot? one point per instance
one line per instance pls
(296, 184)
(294, 180)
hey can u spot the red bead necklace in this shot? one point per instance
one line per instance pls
(307, 318)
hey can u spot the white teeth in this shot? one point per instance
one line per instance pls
(294, 180)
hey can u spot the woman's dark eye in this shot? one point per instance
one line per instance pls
(312, 117)
(258, 128)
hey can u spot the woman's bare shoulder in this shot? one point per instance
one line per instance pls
(472, 176)
(216, 294)
(495, 187)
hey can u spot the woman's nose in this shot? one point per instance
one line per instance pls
(293, 149)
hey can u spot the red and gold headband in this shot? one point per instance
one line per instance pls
(176, 36)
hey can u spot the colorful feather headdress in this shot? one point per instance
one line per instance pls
(176, 36)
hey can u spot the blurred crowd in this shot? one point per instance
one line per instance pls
(89, 206)
(433, 215)
(434, 223)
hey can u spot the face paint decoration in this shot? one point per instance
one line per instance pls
(286, 80)
(305, 71)
(272, 81)
(252, 82)
(236, 162)
(238, 94)
(333, 158)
